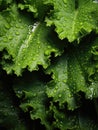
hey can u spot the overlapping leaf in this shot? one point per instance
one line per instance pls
(33, 97)
(72, 74)
(80, 119)
(73, 18)
(62, 101)
(36, 7)
(23, 42)
(32, 94)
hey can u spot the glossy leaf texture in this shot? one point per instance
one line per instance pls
(73, 19)
(76, 120)
(32, 92)
(33, 97)
(49, 64)
(25, 43)
(72, 73)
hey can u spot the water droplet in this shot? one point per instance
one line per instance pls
(81, 23)
(39, 47)
(16, 26)
(69, 95)
(94, 94)
(35, 25)
(49, 47)
(34, 94)
(60, 95)
(95, 1)
(54, 91)
(10, 37)
(47, 52)
(17, 33)
(18, 64)
(64, 80)
(11, 106)
(30, 28)
(92, 83)
(19, 92)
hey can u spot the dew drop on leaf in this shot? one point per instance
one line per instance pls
(64, 81)
(17, 33)
(19, 92)
(95, 1)
(17, 26)
(54, 91)
(34, 94)
(47, 52)
(39, 47)
(10, 37)
(49, 47)
(60, 95)
(18, 64)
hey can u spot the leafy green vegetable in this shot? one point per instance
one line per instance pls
(73, 19)
(32, 93)
(34, 98)
(71, 73)
(36, 7)
(49, 65)
(30, 47)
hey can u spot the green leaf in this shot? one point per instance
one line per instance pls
(76, 120)
(63, 120)
(71, 75)
(33, 99)
(63, 82)
(4, 3)
(36, 7)
(68, 79)
(25, 43)
(31, 92)
(73, 19)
